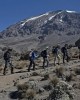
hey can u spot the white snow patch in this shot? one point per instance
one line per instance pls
(33, 18)
(45, 21)
(23, 24)
(61, 19)
(70, 11)
(54, 15)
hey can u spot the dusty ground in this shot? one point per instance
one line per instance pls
(8, 83)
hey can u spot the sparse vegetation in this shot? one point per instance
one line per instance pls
(76, 85)
(55, 94)
(47, 87)
(22, 87)
(69, 77)
(30, 94)
(20, 64)
(24, 56)
(46, 77)
(34, 74)
(77, 71)
(59, 71)
(25, 92)
(54, 81)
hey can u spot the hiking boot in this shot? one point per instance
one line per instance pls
(28, 70)
(12, 71)
(58, 63)
(4, 73)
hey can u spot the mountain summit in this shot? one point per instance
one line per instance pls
(52, 28)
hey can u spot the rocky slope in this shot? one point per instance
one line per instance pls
(46, 29)
(39, 84)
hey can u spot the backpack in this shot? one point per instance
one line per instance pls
(62, 49)
(32, 55)
(43, 53)
(6, 56)
(54, 50)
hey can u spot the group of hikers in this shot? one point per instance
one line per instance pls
(56, 50)
(44, 54)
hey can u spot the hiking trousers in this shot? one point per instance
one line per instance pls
(30, 65)
(56, 57)
(65, 57)
(45, 60)
(8, 62)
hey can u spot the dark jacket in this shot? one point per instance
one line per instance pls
(64, 50)
(44, 53)
(7, 55)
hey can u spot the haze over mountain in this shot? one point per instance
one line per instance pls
(51, 28)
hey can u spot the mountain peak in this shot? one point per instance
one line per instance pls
(71, 11)
(33, 18)
(51, 28)
(59, 20)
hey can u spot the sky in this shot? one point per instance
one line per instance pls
(13, 11)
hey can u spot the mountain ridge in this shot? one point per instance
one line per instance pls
(51, 28)
(19, 27)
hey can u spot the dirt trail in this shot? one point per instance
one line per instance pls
(8, 82)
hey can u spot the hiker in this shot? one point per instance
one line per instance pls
(56, 52)
(32, 57)
(79, 51)
(65, 53)
(8, 61)
(44, 54)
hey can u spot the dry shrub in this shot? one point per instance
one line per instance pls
(76, 85)
(30, 94)
(25, 92)
(75, 55)
(46, 77)
(1, 68)
(24, 56)
(54, 81)
(69, 77)
(20, 64)
(34, 74)
(77, 71)
(47, 87)
(22, 87)
(74, 52)
(59, 71)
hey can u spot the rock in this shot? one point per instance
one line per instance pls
(41, 90)
(65, 85)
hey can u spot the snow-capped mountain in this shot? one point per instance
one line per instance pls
(56, 26)
(57, 20)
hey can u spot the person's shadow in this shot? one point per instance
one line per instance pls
(21, 71)
(14, 95)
